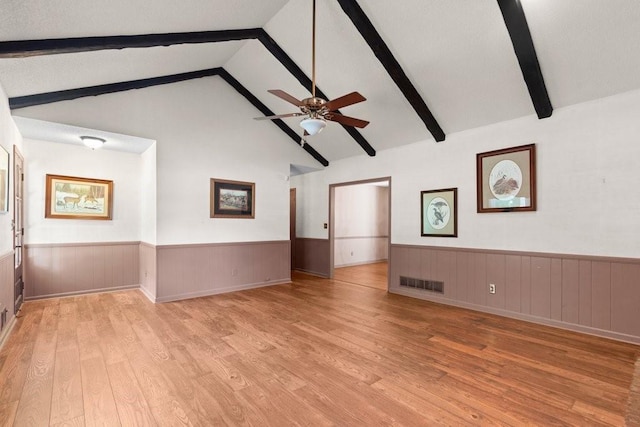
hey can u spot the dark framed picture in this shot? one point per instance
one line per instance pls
(69, 197)
(506, 179)
(232, 199)
(439, 213)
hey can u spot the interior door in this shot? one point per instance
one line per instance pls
(18, 227)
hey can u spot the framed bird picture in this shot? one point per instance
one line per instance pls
(439, 213)
(506, 179)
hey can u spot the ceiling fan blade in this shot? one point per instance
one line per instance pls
(278, 116)
(346, 120)
(284, 95)
(343, 101)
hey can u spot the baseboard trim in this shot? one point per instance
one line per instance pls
(74, 293)
(148, 294)
(313, 273)
(524, 317)
(362, 263)
(208, 292)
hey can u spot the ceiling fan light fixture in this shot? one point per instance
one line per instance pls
(313, 126)
(93, 142)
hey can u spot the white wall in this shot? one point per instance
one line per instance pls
(588, 180)
(148, 199)
(198, 137)
(9, 136)
(124, 169)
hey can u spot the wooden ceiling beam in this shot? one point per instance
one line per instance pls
(26, 48)
(69, 94)
(391, 65)
(516, 22)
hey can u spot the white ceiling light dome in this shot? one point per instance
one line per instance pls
(313, 126)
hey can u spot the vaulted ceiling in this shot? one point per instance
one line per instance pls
(428, 68)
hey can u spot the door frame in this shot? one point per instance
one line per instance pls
(18, 228)
(332, 216)
(292, 226)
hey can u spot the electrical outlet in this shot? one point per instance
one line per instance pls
(351, 253)
(234, 272)
(492, 288)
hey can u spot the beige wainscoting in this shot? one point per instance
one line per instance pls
(6, 291)
(148, 270)
(312, 256)
(188, 271)
(74, 268)
(596, 295)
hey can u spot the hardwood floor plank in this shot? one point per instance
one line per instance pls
(130, 402)
(66, 399)
(313, 352)
(153, 382)
(233, 410)
(99, 404)
(13, 372)
(8, 413)
(35, 400)
(76, 422)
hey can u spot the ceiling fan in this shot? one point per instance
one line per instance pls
(317, 110)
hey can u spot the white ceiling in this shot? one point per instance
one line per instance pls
(67, 134)
(457, 53)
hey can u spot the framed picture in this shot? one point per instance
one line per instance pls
(232, 199)
(506, 179)
(439, 212)
(4, 180)
(69, 197)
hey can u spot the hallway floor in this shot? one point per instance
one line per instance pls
(369, 275)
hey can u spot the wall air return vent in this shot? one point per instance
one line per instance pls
(425, 285)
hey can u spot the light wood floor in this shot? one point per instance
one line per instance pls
(371, 275)
(313, 352)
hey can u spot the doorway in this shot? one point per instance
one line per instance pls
(359, 231)
(18, 228)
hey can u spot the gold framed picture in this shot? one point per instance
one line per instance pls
(69, 197)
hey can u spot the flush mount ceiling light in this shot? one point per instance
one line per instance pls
(92, 142)
(312, 126)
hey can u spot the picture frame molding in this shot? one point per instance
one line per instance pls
(49, 210)
(528, 179)
(453, 213)
(217, 211)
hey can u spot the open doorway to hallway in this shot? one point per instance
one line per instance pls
(359, 234)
